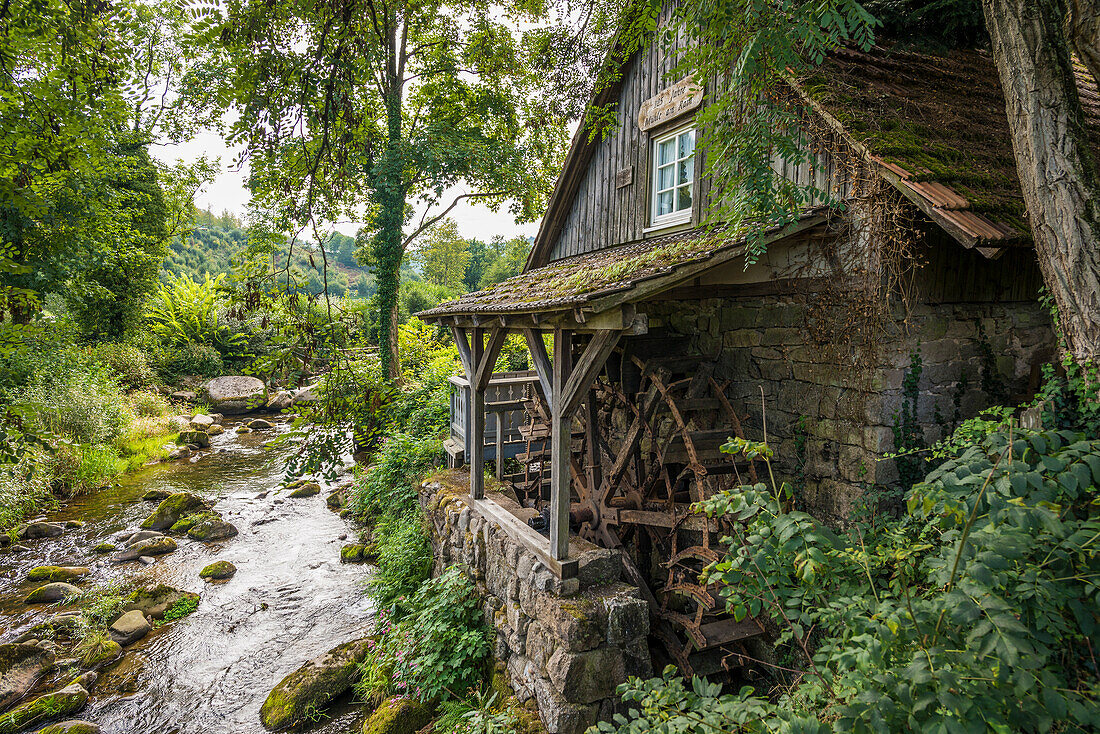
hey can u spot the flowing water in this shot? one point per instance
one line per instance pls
(290, 600)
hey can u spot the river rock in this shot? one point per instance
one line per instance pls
(172, 509)
(398, 716)
(59, 703)
(74, 524)
(307, 490)
(200, 422)
(152, 547)
(57, 573)
(215, 430)
(73, 726)
(86, 680)
(102, 653)
(259, 424)
(310, 688)
(234, 394)
(218, 571)
(154, 601)
(279, 401)
(243, 429)
(21, 665)
(198, 439)
(147, 560)
(306, 395)
(212, 529)
(337, 500)
(156, 495)
(130, 627)
(52, 592)
(42, 530)
(104, 547)
(135, 538)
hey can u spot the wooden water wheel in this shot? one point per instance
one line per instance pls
(645, 448)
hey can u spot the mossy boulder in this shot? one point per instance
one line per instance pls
(218, 571)
(259, 424)
(311, 687)
(211, 529)
(59, 703)
(307, 490)
(359, 553)
(154, 601)
(75, 726)
(172, 509)
(215, 430)
(57, 573)
(52, 592)
(20, 668)
(398, 716)
(156, 495)
(157, 546)
(105, 548)
(105, 652)
(337, 500)
(195, 438)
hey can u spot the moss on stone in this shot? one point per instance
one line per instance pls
(398, 716)
(307, 490)
(105, 548)
(71, 727)
(57, 573)
(309, 689)
(58, 703)
(172, 508)
(218, 570)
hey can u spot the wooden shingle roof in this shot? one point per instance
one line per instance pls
(936, 126)
(599, 280)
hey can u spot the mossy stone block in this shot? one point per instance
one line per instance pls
(398, 716)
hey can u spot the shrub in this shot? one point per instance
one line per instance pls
(128, 363)
(148, 404)
(440, 649)
(977, 606)
(84, 468)
(404, 558)
(84, 405)
(189, 359)
(389, 483)
(24, 490)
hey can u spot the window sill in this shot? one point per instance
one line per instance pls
(682, 223)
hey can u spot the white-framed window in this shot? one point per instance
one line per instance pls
(673, 179)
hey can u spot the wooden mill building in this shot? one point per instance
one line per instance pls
(878, 324)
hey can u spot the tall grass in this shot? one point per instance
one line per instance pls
(24, 489)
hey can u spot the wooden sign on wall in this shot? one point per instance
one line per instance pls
(668, 104)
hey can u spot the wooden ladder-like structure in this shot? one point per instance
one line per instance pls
(645, 448)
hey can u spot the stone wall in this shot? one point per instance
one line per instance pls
(829, 421)
(567, 644)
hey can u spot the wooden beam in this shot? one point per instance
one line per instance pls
(560, 440)
(588, 366)
(488, 358)
(563, 568)
(464, 356)
(541, 362)
(475, 446)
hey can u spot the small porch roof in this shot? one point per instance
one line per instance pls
(599, 281)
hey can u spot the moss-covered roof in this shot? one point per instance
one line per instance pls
(937, 123)
(577, 281)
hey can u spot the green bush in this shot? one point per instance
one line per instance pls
(389, 483)
(404, 558)
(184, 311)
(189, 359)
(84, 468)
(24, 490)
(127, 362)
(973, 611)
(83, 405)
(441, 648)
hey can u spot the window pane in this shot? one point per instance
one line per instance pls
(686, 169)
(684, 198)
(664, 177)
(664, 203)
(687, 144)
(665, 151)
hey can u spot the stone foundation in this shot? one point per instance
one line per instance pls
(567, 644)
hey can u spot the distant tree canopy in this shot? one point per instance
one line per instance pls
(442, 255)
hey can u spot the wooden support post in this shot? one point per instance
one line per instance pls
(541, 362)
(560, 440)
(500, 444)
(476, 444)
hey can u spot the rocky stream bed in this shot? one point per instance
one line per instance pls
(263, 561)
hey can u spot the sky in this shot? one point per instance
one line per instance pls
(228, 192)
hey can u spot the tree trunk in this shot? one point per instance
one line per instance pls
(1083, 27)
(1058, 175)
(388, 244)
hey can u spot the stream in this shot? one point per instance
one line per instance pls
(290, 600)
